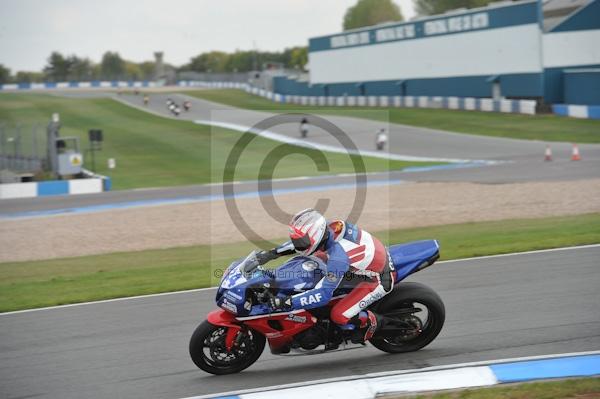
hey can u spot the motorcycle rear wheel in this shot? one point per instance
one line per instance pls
(209, 353)
(407, 296)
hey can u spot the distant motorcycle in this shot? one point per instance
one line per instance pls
(233, 337)
(304, 128)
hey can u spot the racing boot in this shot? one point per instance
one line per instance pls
(367, 323)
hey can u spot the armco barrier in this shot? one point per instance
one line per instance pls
(577, 111)
(76, 85)
(96, 184)
(471, 375)
(462, 103)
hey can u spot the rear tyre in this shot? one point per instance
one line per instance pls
(209, 353)
(424, 325)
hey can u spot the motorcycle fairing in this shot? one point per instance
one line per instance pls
(279, 329)
(303, 273)
(298, 275)
(414, 256)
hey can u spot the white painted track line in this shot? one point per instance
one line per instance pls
(212, 288)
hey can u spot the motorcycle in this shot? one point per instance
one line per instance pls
(233, 337)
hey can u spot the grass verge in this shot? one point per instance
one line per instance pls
(25, 285)
(580, 388)
(530, 127)
(153, 151)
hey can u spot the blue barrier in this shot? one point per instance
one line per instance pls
(577, 111)
(74, 85)
(580, 366)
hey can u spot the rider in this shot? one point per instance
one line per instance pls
(344, 248)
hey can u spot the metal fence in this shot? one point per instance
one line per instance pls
(22, 147)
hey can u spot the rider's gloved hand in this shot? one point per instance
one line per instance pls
(280, 303)
(264, 256)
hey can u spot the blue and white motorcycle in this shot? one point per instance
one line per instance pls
(234, 336)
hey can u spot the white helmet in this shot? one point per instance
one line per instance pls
(307, 231)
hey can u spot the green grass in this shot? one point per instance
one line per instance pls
(581, 388)
(152, 151)
(25, 285)
(537, 127)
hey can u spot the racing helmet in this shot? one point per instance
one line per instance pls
(307, 231)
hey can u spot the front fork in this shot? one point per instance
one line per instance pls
(219, 317)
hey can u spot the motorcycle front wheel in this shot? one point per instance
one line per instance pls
(416, 312)
(209, 353)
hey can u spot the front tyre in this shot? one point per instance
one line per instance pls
(208, 350)
(416, 312)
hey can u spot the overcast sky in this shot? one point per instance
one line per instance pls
(31, 29)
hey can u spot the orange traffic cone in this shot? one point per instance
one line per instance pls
(548, 154)
(575, 156)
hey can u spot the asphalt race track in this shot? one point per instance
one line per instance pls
(520, 160)
(497, 307)
(403, 139)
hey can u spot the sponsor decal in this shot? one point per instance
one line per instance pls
(351, 39)
(75, 159)
(457, 24)
(351, 233)
(299, 287)
(395, 33)
(247, 305)
(274, 335)
(230, 307)
(310, 265)
(337, 226)
(440, 26)
(297, 319)
(372, 327)
(375, 296)
(233, 296)
(305, 301)
(390, 262)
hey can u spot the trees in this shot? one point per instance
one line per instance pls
(371, 12)
(295, 57)
(29, 77)
(133, 71)
(61, 68)
(4, 74)
(245, 60)
(112, 66)
(71, 68)
(431, 7)
(147, 68)
(79, 69)
(240, 61)
(57, 68)
(214, 61)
